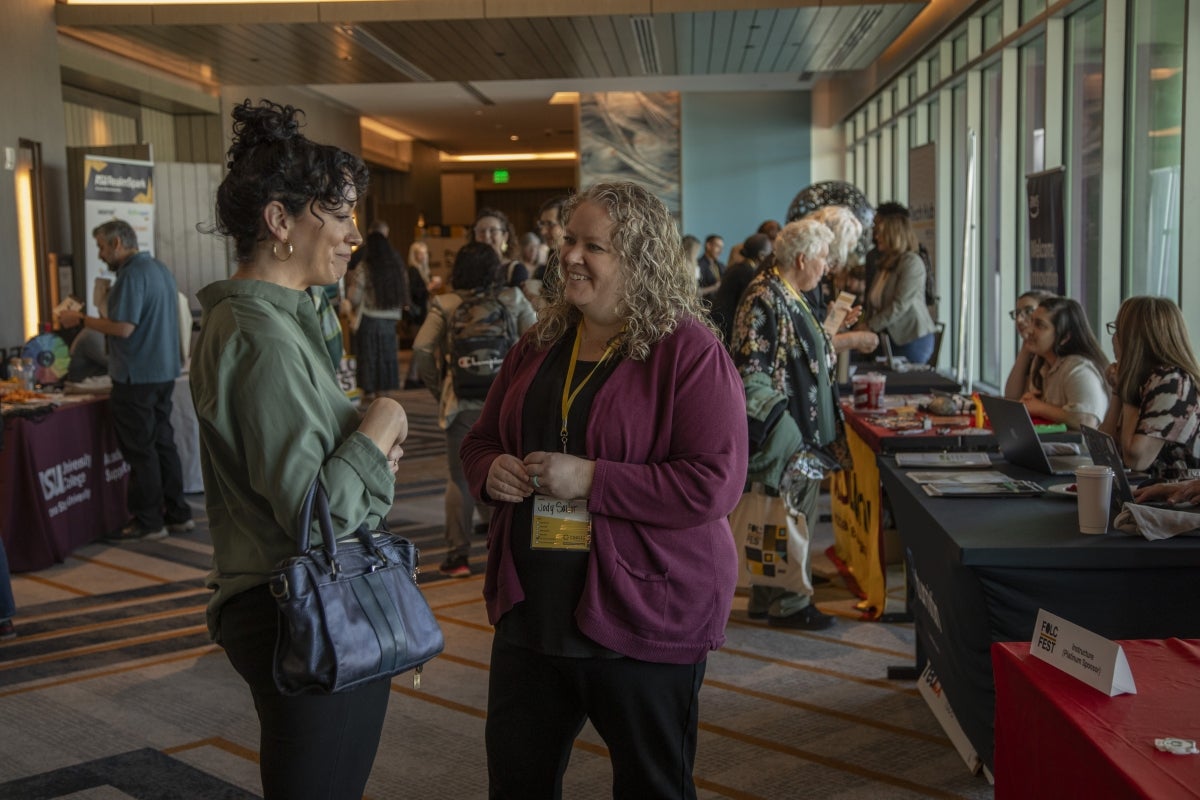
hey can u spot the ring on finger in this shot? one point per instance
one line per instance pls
(537, 484)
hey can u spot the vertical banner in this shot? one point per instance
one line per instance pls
(855, 497)
(115, 188)
(922, 198)
(1044, 192)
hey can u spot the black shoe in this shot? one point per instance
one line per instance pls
(808, 618)
(181, 527)
(481, 529)
(412, 383)
(134, 531)
(756, 614)
(456, 567)
(819, 580)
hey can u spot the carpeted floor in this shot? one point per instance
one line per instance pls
(112, 690)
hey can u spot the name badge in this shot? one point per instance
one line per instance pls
(560, 524)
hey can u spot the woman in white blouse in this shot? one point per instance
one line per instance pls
(1066, 379)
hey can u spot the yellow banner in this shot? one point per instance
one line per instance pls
(855, 501)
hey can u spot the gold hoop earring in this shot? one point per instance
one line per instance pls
(275, 251)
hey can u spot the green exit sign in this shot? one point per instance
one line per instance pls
(500, 176)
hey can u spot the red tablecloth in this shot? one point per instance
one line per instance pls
(62, 483)
(1056, 737)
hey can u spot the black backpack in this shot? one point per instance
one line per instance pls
(482, 331)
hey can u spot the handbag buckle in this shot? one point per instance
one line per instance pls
(282, 581)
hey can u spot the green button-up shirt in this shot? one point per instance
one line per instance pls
(272, 419)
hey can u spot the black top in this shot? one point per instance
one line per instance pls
(552, 579)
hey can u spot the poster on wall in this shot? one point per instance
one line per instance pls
(631, 136)
(922, 198)
(1044, 193)
(115, 188)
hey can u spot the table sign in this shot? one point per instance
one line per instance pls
(931, 689)
(1098, 662)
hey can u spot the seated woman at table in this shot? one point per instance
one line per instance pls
(1018, 376)
(1154, 411)
(1179, 493)
(1066, 378)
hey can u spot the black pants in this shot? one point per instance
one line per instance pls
(646, 713)
(141, 415)
(315, 747)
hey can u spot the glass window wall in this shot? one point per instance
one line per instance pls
(1084, 75)
(990, 232)
(1154, 123)
(1032, 153)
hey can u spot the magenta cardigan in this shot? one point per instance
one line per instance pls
(669, 439)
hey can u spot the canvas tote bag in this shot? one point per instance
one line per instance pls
(772, 544)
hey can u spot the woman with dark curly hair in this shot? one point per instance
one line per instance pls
(378, 295)
(612, 448)
(273, 420)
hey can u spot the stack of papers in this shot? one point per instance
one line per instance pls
(975, 484)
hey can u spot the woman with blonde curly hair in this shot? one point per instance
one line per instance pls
(1154, 411)
(613, 449)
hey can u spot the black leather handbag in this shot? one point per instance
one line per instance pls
(350, 612)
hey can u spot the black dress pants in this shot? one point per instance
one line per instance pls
(141, 415)
(312, 746)
(647, 714)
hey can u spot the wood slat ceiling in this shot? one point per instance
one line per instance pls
(807, 38)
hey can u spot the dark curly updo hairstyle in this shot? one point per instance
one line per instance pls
(271, 160)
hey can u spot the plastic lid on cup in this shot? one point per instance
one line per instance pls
(1094, 470)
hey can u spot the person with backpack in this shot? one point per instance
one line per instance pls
(458, 350)
(896, 296)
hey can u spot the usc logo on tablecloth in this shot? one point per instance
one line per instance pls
(66, 476)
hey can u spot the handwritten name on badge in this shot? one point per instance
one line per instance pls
(560, 524)
(1098, 662)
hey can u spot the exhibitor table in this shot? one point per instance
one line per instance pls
(857, 501)
(1058, 737)
(63, 480)
(980, 568)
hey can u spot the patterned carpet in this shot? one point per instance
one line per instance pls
(112, 689)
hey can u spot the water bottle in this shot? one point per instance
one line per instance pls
(14, 369)
(27, 374)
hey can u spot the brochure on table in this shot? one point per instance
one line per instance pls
(1098, 662)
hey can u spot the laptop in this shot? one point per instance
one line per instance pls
(1019, 441)
(1103, 450)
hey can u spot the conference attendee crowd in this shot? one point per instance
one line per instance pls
(609, 388)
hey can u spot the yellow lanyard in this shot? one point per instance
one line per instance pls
(568, 396)
(802, 301)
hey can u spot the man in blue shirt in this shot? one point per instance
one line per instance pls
(142, 327)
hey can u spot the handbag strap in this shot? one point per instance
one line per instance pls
(315, 500)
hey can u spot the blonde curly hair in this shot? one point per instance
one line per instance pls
(659, 284)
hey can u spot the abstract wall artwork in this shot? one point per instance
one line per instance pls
(631, 136)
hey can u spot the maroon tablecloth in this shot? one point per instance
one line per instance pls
(62, 483)
(1057, 737)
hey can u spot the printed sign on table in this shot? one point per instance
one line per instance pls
(1098, 662)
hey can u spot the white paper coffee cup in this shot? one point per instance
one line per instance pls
(1093, 491)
